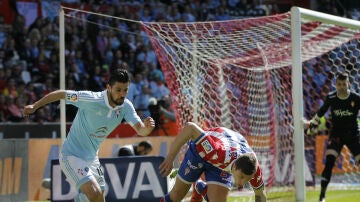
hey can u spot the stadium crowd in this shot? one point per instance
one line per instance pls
(29, 56)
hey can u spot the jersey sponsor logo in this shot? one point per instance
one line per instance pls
(194, 167)
(342, 113)
(102, 130)
(207, 146)
(73, 97)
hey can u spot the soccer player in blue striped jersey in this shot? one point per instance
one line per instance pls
(99, 113)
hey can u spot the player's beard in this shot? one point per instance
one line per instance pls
(118, 101)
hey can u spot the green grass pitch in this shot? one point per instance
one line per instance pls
(311, 196)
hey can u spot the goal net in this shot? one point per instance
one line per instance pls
(238, 74)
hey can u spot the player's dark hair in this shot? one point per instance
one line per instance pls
(246, 163)
(146, 144)
(342, 76)
(119, 75)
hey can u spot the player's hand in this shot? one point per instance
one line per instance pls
(28, 109)
(166, 167)
(312, 125)
(149, 123)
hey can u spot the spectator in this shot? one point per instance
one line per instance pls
(158, 88)
(164, 116)
(96, 81)
(142, 101)
(136, 149)
(43, 115)
(25, 74)
(132, 91)
(118, 58)
(39, 43)
(26, 53)
(3, 80)
(188, 14)
(154, 72)
(30, 92)
(15, 105)
(10, 88)
(3, 108)
(11, 53)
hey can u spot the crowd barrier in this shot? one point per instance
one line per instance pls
(128, 179)
(24, 163)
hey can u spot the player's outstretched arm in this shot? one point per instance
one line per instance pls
(190, 131)
(48, 98)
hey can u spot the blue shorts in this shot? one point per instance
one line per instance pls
(193, 166)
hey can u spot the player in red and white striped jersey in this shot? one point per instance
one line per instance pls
(223, 155)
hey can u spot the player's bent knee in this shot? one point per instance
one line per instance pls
(175, 196)
(92, 191)
(217, 193)
(94, 196)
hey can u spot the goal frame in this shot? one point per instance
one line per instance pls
(297, 14)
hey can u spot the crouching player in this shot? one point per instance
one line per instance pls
(224, 157)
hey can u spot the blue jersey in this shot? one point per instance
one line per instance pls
(94, 121)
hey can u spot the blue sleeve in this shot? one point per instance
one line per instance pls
(131, 116)
(76, 97)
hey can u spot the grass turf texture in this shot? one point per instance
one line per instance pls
(311, 196)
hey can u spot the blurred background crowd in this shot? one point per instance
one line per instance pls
(29, 51)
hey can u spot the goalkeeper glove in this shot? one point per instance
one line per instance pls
(312, 126)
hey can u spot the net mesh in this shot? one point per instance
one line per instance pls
(237, 74)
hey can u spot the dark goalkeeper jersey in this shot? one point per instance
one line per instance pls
(343, 113)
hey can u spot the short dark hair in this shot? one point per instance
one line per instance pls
(119, 75)
(145, 144)
(342, 76)
(247, 163)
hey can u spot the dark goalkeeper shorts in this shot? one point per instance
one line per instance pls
(338, 140)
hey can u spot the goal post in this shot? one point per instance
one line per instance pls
(62, 73)
(297, 107)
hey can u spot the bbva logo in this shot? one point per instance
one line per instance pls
(126, 181)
